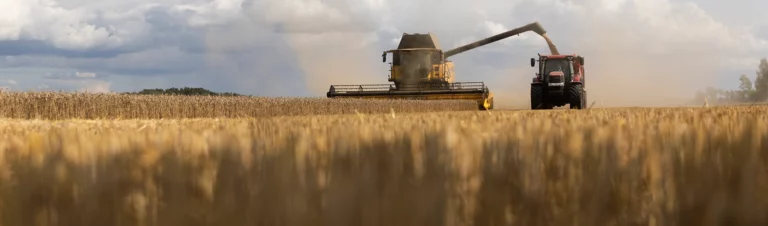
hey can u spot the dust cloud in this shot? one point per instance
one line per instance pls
(337, 59)
(245, 57)
(511, 86)
(629, 61)
(624, 68)
(298, 54)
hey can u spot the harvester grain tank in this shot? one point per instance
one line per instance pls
(420, 70)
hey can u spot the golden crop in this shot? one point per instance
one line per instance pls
(52, 105)
(685, 166)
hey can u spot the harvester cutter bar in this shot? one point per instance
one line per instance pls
(413, 90)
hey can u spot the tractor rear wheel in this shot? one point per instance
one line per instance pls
(537, 96)
(577, 96)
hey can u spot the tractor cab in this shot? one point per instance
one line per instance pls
(559, 81)
(557, 69)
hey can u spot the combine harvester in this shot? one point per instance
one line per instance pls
(420, 70)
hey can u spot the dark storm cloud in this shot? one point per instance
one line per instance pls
(36, 47)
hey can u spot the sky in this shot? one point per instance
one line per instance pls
(638, 52)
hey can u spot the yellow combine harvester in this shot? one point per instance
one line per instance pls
(419, 70)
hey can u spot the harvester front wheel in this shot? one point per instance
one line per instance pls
(537, 97)
(486, 104)
(577, 96)
(490, 104)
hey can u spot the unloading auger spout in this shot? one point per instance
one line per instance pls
(535, 27)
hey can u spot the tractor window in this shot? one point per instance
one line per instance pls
(558, 65)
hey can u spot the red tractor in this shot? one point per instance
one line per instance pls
(559, 81)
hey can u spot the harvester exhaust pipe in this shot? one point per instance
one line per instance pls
(535, 27)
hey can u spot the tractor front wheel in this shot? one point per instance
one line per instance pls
(537, 97)
(577, 97)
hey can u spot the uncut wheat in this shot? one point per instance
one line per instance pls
(52, 105)
(687, 166)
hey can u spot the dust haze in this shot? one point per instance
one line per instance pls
(637, 53)
(621, 70)
(637, 56)
(337, 59)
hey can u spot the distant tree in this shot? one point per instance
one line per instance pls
(761, 82)
(746, 84)
(186, 91)
(712, 94)
(746, 89)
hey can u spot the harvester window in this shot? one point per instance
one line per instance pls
(436, 57)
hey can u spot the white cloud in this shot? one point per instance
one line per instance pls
(46, 20)
(95, 86)
(613, 5)
(42, 87)
(213, 12)
(85, 75)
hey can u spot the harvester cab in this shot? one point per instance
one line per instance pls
(560, 80)
(420, 70)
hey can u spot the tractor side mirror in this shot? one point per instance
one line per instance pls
(533, 62)
(384, 57)
(581, 61)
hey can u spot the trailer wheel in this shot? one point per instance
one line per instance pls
(537, 93)
(577, 96)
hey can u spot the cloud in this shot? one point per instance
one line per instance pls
(95, 87)
(85, 75)
(211, 13)
(79, 85)
(660, 52)
(639, 52)
(70, 75)
(62, 28)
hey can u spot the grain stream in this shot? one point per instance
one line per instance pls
(684, 166)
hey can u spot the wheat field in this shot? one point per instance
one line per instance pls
(632, 166)
(60, 105)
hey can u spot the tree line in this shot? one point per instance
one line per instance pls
(186, 91)
(748, 91)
